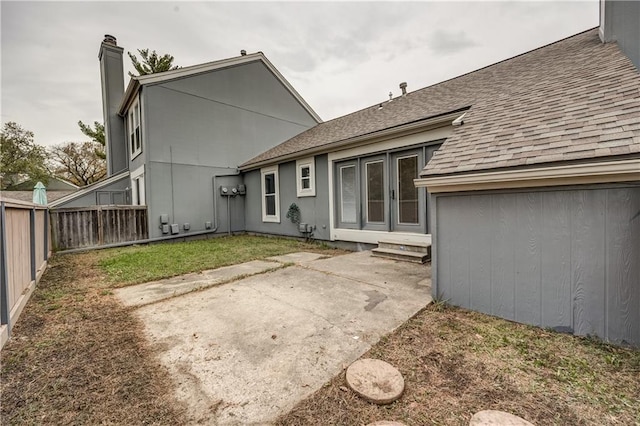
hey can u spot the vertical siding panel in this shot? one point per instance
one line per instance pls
(459, 251)
(587, 262)
(555, 249)
(621, 306)
(634, 274)
(526, 246)
(502, 261)
(479, 242)
(444, 248)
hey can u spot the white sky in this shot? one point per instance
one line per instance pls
(340, 57)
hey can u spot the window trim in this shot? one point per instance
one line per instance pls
(134, 133)
(300, 164)
(264, 172)
(138, 191)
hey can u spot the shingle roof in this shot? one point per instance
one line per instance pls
(573, 99)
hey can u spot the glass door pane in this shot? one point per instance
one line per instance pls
(408, 210)
(348, 194)
(375, 191)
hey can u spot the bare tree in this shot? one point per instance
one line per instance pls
(81, 163)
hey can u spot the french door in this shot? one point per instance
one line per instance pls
(377, 192)
(407, 202)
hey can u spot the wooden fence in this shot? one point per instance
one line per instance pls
(95, 226)
(25, 247)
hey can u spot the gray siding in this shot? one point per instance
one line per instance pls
(201, 126)
(619, 23)
(314, 210)
(118, 188)
(221, 118)
(564, 259)
(186, 193)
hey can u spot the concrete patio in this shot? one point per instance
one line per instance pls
(248, 350)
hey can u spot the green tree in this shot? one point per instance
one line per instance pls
(151, 62)
(97, 135)
(81, 163)
(20, 157)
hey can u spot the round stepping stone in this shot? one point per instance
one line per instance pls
(376, 381)
(386, 423)
(497, 418)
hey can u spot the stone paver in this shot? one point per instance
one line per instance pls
(143, 294)
(375, 380)
(497, 418)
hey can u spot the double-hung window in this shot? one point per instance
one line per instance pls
(135, 138)
(270, 194)
(306, 177)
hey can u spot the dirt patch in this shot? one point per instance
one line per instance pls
(79, 357)
(456, 362)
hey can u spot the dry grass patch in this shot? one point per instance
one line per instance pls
(78, 357)
(456, 362)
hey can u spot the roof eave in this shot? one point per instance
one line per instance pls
(136, 82)
(438, 121)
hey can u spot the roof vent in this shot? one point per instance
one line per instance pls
(390, 96)
(403, 87)
(243, 52)
(109, 39)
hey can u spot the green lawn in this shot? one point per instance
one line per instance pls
(137, 264)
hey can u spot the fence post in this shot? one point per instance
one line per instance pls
(46, 234)
(32, 241)
(4, 275)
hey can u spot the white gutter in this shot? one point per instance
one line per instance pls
(575, 174)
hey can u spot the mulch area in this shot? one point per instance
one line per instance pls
(76, 356)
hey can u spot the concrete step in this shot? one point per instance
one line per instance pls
(405, 255)
(406, 246)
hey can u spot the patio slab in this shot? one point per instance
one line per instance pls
(154, 291)
(248, 351)
(299, 257)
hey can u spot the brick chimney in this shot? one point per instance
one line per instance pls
(112, 80)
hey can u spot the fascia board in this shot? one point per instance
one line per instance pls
(575, 174)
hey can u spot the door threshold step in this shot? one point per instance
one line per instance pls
(401, 242)
(405, 255)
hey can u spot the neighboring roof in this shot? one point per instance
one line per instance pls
(573, 99)
(88, 189)
(28, 195)
(136, 82)
(54, 184)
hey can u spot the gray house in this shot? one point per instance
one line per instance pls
(523, 176)
(174, 138)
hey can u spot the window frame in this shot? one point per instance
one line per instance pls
(134, 133)
(300, 165)
(263, 173)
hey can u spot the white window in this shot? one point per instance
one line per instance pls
(270, 194)
(306, 177)
(137, 187)
(135, 138)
